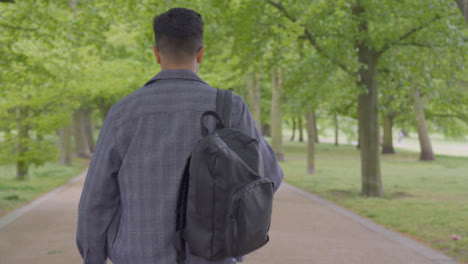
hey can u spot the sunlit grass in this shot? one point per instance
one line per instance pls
(424, 200)
(14, 194)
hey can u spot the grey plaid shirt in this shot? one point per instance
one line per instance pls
(127, 208)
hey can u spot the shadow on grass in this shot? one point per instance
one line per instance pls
(348, 194)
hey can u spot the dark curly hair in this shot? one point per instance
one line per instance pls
(178, 32)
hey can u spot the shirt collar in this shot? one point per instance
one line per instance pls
(175, 74)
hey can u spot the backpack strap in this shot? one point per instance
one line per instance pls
(219, 122)
(223, 116)
(224, 106)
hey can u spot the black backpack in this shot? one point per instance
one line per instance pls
(225, 202)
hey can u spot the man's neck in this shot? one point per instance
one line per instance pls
(193, 68)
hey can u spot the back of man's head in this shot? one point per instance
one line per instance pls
(178, 33)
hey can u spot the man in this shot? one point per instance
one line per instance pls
(127, 207)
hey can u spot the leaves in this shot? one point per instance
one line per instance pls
(57, 57)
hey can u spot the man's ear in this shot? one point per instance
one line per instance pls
(157, 54)
(200, 54)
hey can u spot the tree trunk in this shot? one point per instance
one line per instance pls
(266, 130)
(310, 142)
(301, 129)
(424, 140)
(258, 96)
(82, 146)
(21, 170)
(463, 6)
(387, 146)
(88, 129)
(368, 112)
(104, 109)
(337, 129)
(315, 129)
(253, 96)
(65, 138)
(380, 136)
(22, 164)
(358, 146)
(276, 114)
(293, 129)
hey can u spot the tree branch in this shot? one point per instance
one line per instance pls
(422, 45)
(313, 42)
(461, 117)
(282, 9)
(308, 35)
(408, 34)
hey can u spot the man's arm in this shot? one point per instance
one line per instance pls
(100, 197)
(247, 124)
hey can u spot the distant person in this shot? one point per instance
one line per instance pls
(127, 206)
(400, 136)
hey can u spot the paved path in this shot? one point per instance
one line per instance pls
(305, 230)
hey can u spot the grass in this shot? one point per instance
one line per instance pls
(14, 194)
(427, 201)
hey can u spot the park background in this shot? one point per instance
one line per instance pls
(365, 102)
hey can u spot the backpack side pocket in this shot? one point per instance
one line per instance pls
(248, 218)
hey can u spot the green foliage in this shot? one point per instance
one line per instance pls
(57, 57)
(35, 94)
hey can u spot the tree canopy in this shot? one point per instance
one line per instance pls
(370, 63)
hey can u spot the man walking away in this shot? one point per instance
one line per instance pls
(127, 208)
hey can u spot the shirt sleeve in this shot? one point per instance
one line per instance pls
(100, 197)
(246, 124)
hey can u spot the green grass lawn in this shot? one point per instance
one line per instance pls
(427, 201)
(14, 194)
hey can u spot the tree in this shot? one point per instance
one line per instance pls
(387, 143)
(316, 136)
(254, 96)
(293, 121)
(394, 104)
(34, 95)
(301, 129)
(310, 116)
(354, 36)
(81, 141)
(52, 70)
(337, 128)
(65, 144)
(417, 86)
(463, 6)
(277, 76)
(426, 148)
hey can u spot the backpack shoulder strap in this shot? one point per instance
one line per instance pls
(224, 106)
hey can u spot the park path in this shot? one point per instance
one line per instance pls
(305, 230)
